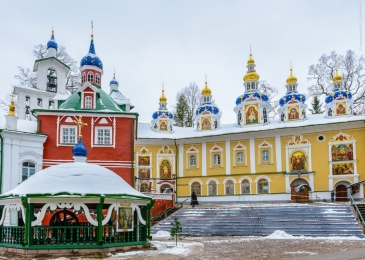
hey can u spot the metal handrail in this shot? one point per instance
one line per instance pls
(357, 210)
(161, 206)
(167, 210)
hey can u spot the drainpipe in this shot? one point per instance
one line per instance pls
(134, 121)
(38, 122)
(1, 161)
(177, 161)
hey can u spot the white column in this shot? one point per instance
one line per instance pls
(252, 155)
(204, 158)
(279, 167)
(310, 159)
(311, 181)
(7, 167)
(228, 157)
(355, 163)
(287, 183)
(181, 160)
(15, 166)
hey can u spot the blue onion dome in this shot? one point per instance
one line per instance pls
(163, 114)
(114, 81)
(292, 97)
(52, 42)
(91, 59)
(255, 94)
(207, 108)
(338, 94)
(79, 149)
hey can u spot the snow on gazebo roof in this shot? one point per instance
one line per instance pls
(77, 178)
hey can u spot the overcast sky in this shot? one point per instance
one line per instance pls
(177, 42)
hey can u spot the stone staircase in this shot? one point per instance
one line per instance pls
(296, 220)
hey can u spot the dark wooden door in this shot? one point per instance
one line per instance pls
(303, 194)
(341, 193)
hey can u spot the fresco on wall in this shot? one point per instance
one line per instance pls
(206, 124)
(298, 161)
(163, 126)
(293, 113)
(341, 109)
(252, 115)
(165, 169)
(144, 160)
(144, 173)
(342, 152)
(342, 168)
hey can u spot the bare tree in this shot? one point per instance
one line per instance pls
(351, 68)
(272, 92)
(192, 95)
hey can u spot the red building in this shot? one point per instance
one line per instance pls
(111, 128)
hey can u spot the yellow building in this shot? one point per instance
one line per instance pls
(256, 159)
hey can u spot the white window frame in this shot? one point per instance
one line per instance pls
(97, 79)
(88, 102)
(96, 139)
(192, 160)
(28, 169)
(61, 134)
(265, 156)
(240, 157)
(90, 75)
(83, 77)
(216, 159)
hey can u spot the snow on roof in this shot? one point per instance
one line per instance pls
(23, 125)
(75, 178)
(145, 131)
(120, 98)
(61, 97)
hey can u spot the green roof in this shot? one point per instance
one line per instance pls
(103, 102)
(52, 58)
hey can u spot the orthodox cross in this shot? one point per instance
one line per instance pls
(80, 124)
(12, 96)
(11, 106)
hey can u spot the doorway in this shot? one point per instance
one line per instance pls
(301, 194)
(341, 193)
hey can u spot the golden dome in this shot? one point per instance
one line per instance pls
(251, 60)
(291, 79)
(337, 77)
(163, 98)
(251, 75)
(206, 91)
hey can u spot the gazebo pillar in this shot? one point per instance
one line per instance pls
(100, 220)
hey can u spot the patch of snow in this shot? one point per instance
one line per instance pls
(301, 252)
(279, 234)
(161, 234)
(334, 211)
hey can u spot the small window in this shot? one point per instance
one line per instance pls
(192, 160)
(97, 79)
(90, 77)
(240, 158)
(27, 170)
(212, 188)
(216, 159)
(88, 102)
(245, 187)
(321, 138)
(103, 136)
(262, 186)
(196, 187)
(39, 102)
(68, 135)
(229, 188)
(83, 78)
(265, 156)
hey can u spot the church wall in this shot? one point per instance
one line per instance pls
(260, 146)
(212, 168)
(244, 167)
(193, 171)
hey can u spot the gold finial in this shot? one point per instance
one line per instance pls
(206, 91)
(92, 30)
(163, 98)
(251, 60)
(114, 72)
(80, 124)
(337, 77)
(291, 79)
(12, 106)
(52, 30)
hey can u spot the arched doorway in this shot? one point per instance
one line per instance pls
(301, 194)
(341, 192)
(166, 188)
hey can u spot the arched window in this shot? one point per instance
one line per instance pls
(262, 186)
(97, 79)
(88, 103)
(27, 170)
(196, 187)
(144, 187)
(192, 160)
(216, 159)
(264, 112)
(240, 158)
(229, 188)
(83, 77)
(212, 188)
(90, 77)
(39, 102)
(245, 187)
(265, 156)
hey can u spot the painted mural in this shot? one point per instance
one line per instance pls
(341, 109)
(206, 124)
(144, 173)
(293, 113)
(252, 115)
(298, 161)
(342, 168)
(144, 160)
(125, 218)
(165, 169)
(163, 126)
(342, 152)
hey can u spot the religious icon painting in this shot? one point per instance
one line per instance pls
(125, 219)
(251, 114)
(342, 152)
(205, 123)
(342, 168)
(298, 162)
(165, 169)
(293, 113)
(341, 108)
(144, 160)
(163, 126)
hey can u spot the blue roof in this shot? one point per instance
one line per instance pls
(91, 59)
(209, 107)
(52, 43)
(79, 149)
(336, 94)
(255, 94)
(290, 97)
(114, 81)
(165, 113)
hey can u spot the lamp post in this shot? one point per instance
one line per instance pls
(174, 176)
